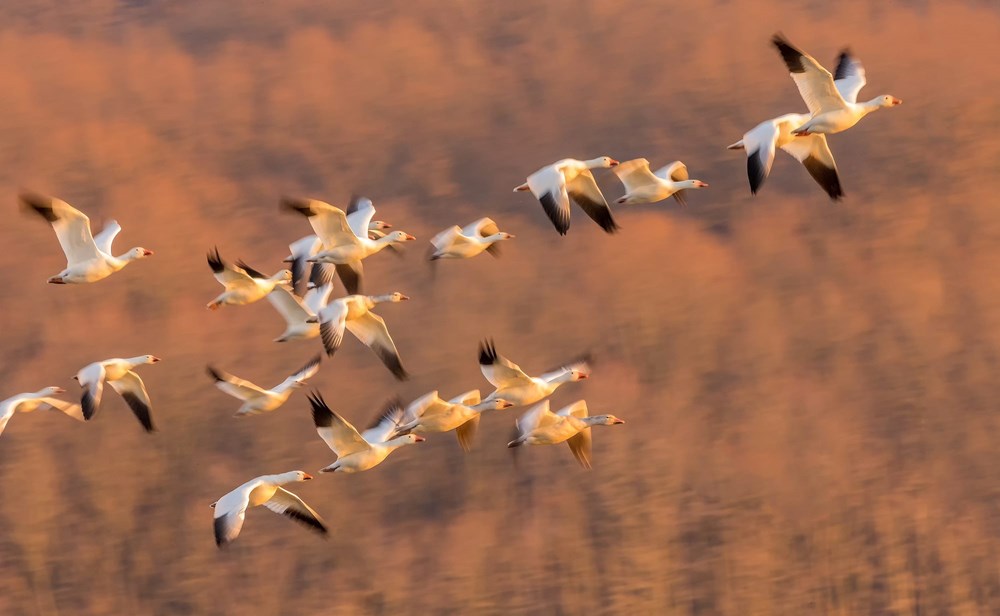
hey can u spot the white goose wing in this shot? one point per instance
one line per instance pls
(548, 184)
(580, 443)
(131, 388)
(849, 77)
(235, 386)
(332, 322)
(106, 237)
(338, 433)
(72, 226)
(285, 503)
(316, 298)
(634, 174)
(484, 227)
(499, 370)
(370, 329)
(675, 172)
(359, 215)
(91, 378)
(815, 155)
(385, 423)
(290, 307)
(329, 222)
(450, 236)
(427, 405)
(814, 82)
(760, 144)
(230, 511)
(302, 375)
(466, 433)
(536, 418)
(584, 190)
(69, 408)
(300, 250)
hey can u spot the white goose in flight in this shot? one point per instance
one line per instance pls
(832, 109)
(644, 186)
(119, 373)
(554, 185)
(266, 490)
(257, 399)
(244, 285)
(345, 240)
(466, 242)
(358, 452)
(540, 426)
(88, 258)
(429, 413)
(41, 399)
(354, 313)
(514, 386)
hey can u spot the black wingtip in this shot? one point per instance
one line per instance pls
(825, 176)
(756, 172)
(487, 353)
(843, 64)
(791, 55)
(87, 404)
(322, 415)
(249, 270)
(141, 411)
(220, 532)
(559, 218)
(39, 204)
(214, 373)
(295, 204)
(215, 261)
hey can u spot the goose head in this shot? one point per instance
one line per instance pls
(406, 439)
(505, 236)
(50, 391)
(281, 277)
(394, 297)
(378, 225)
(602, 162)
(397, 237)
(137, 253)
(885, 100)
(143, 359)
(693, 184)
(606, 420)
(302, 476)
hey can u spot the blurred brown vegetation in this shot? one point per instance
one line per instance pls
(810, 387)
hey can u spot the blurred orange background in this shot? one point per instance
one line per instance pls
(810, 387)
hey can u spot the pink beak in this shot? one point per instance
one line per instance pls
(897, 101)
(614, 163)
(701, 185)
(404, 297)
(409, 237)
(59, 390)
(155, 359)
(419, 439)
(306, 476)
(146, 252)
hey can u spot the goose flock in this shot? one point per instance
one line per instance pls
(342, 239)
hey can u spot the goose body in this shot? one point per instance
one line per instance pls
(357, 452)
(256, 399)
(354, 314)
(32, 401)
(266, 490)
(243, 284)
(120, 374)
(513, 385)
(644, 186)
(345, 240)
(468, 241)
(554, 185)
(88, 258)
(572, 424)
(832, 109)
(301, 250)
(430, 413)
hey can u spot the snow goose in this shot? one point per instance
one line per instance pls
(345, 240)
(468, 241)
(761, 142)
(358, 452)
(644, 186)
(256, 399)
(832, 109)
(119, 373)
(354, 313)
(429, 413)
(513, 385)
(41, 399)
(554, 185)
(244, 285)
(540, 426)
(310, 245)
(88, 258)
(266, 490)
(297, 311)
